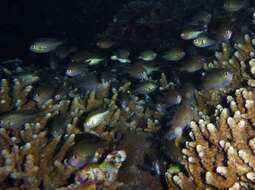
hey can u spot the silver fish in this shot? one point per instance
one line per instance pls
(191, 33)
(45, 45)
(84, 151)
(15, 120)
(192, 64)
(148, 55)
(146, 87)
(43, 93)
(203, 41)
(173, 54)
(217, 78)
(182, 118)
(140, 70)
(105, 43)
(27, 78)
(75, 69)
(121, 55)
(95, 119)
(90, 58)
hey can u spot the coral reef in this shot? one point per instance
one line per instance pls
(34, 152)
(221, 153)
(35, 149)
(113, 109)
(237, 59)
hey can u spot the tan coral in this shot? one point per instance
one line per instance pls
(221, 154)
(14, 97)
(241, 63)
(30, 157)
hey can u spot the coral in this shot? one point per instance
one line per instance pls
(33, 152)
(31, 158)
(221, 153)
(14, 97)
(239, 61)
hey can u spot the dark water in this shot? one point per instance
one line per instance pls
(22, 21)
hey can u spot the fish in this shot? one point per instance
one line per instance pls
(57, 125)
(192, 33)
(181, 118)
(90, 58)
(192, 64)
(95, 60)
(83, 152)
(145, 87)
(89, 83)
(175, 54)
(140, 70)
(222, 33)
(121, 55)
(234, 5)
(45, 45)
(148, 55)
(75, 69)
(15, 120)
(43, 93)
(203, 41)
(217, 78)
(27, 78)
(170, 97)
(95, 119)
(105, 43)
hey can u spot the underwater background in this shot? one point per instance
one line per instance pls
(130, 95)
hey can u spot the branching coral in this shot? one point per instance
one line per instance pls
(34, 152)
(30, 159)
(221, 153)
(239, 61)
(13, 98)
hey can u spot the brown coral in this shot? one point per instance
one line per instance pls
(14, 97)
(221, 154)
(32, 157)
(239, 60)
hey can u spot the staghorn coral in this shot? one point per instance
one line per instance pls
(221, 153)
(31, 159)
(33, 153)
(14, 97)
(238, 59)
